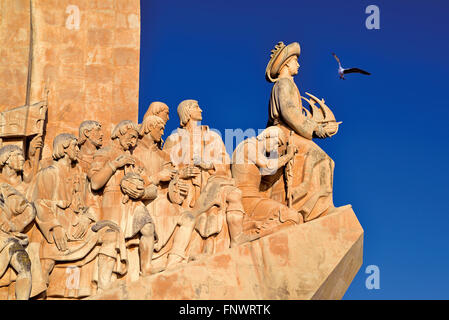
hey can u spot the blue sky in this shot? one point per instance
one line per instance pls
(391, 152)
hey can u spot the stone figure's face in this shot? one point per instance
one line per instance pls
(157, 132)
(293, 65)
(129, 140)
(164, 115)
(16, 161)
(73, 150)
(196, 113)
(96, 137)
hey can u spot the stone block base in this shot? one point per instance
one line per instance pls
(315, 260)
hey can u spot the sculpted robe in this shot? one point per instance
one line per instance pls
(60, 195)
(285, 95)
(187, 149)
(262, 213)
(165, 213)
(129, 214)
(93, 197)
(312, 167)
(16, 209)
(23, 189)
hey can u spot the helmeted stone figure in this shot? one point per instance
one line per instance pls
(309, 189)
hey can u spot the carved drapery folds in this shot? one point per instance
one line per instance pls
(99, 212)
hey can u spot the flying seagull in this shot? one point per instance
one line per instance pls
(342, 71)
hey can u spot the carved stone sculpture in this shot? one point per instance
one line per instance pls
(249, 164)
(124, 184)
(12, 162)
(24, 127)
(201, 158)
(16, 213)
(160, 110)
(90, 139)
(135, 210)
(86, 56)
(160, 170)
(66, 234)
(312, 167)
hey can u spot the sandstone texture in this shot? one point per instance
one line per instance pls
(316, 260)
(94, 205)
(14, 51)
(85, 53)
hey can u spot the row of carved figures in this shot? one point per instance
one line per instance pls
(96, 213)
(131, 207)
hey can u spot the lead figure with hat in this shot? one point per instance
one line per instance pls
(306, 182)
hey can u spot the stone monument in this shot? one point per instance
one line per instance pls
(94, 205)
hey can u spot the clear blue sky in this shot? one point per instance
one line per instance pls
(391, 152)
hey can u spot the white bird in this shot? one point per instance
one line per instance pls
(342, 71)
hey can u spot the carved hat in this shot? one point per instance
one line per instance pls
(279, 56)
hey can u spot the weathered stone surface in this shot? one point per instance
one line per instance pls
(74, 223)
(14, 39)
(86, 59)
(316, 260)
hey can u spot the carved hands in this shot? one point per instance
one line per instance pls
(166, 175)
(189, 172)
(134, 188)
(122, 160)
(178, 190)
(203, 165)
(183, 188)
(36, 143)
(331, 128)
(206, 166)
(81, 227)
(327, 129)
(60, 238)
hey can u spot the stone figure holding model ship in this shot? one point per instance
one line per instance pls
(306, 182)
(122, 214)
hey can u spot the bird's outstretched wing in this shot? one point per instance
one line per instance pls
(336, 58)
(356, 70)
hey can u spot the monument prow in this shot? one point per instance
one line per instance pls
(315, 260)
(95, 205)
